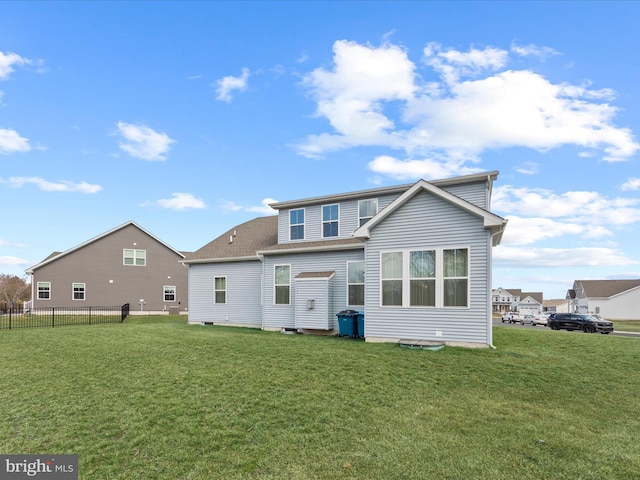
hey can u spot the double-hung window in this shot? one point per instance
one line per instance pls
(355, 283)
(169, 293)
(366, 210)
(78, 291)
(330, 214)
(220, 290)
(134, 257)
(282, 284)
(425, 278)
(44, 290)
(296, 224)
(456, 277)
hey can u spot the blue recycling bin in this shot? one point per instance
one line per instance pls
(360, 324)
(347, 324)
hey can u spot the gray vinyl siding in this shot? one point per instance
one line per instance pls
(99, 265)
(348, 219)
(320, 291)
(427, 222)
(476, 193)
(243, 302)
(283, 316)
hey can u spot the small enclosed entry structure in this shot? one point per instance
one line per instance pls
(314, 300)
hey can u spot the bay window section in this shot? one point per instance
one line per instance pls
(355, 283)
(422, 278)
(392, 278)
(282, 284)
(456, 277)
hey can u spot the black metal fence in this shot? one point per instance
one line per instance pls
(16, 316)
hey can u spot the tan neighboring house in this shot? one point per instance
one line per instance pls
(613, 299)
(530, 303)
(557, 305)
(124, 265)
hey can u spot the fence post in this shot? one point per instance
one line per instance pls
(89, 315)
(53, 317)
(10, 314)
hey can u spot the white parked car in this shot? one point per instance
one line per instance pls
(511, 317)
(527, 319)
(541, 319)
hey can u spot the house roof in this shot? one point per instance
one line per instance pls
(239, 243)
(57, 255)
(397, 189)
(493, 222)
(516, 292)
(306, 275)
(537, 296)
(320, 245)
(607, 288)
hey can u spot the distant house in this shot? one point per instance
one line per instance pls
(416, 259)
(557, 305)
(505, 300)
(530, 303)
(613, 299)
(124, 265)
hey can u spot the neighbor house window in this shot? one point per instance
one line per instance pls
(366, 210)
(392, 278)
(425, 278)
(169, 293)
(456, 277)
(220, 290)
(296, 224)
(134, 257)
(44, 290)
(330, 220)
(282, 282)
(78, 291)
(422, 278)
(355, 283)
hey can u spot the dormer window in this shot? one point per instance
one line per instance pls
(330, 215)
(296, 224)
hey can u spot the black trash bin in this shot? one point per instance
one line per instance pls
(347, 323)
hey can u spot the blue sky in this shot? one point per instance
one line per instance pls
(190, 117)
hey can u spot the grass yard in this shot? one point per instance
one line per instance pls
(154, 398)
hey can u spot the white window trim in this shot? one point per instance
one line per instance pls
(439, 278)
(274, 285)
(363, 283)
(337, 220)
(304, 224)
(368, 218)
(73, 291)
(226, 291)
(38, 290)
(135, 256)
(164, 293)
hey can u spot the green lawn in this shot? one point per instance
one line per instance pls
(154, 398)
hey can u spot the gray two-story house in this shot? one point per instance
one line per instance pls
(416, 259)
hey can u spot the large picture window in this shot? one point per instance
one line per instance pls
(78, 291)
(282, 283)
(355, 283)
(220, 290)
(134, 257)
(296, 224)
(44, 290)
(425, 278)
(330, 214)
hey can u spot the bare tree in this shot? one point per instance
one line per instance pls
(14, 289)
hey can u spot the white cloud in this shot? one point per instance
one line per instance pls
(11, 141)
(525, 231)
(143, 142)
(505, 256)
(580, 207)
(8, 261)
(8, 61)
(181, 201)
(47, 186)
(426, 168)
(528, 168)
(373, 96)
(226, 85)
(533, 50)
(263, 209)
(5, 243)
(631, 184)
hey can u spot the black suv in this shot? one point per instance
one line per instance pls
(579, 321)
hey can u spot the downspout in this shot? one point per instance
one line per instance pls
(490, 280)
(261, 258)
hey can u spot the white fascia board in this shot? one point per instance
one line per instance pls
(220, 260)
(311, 249)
